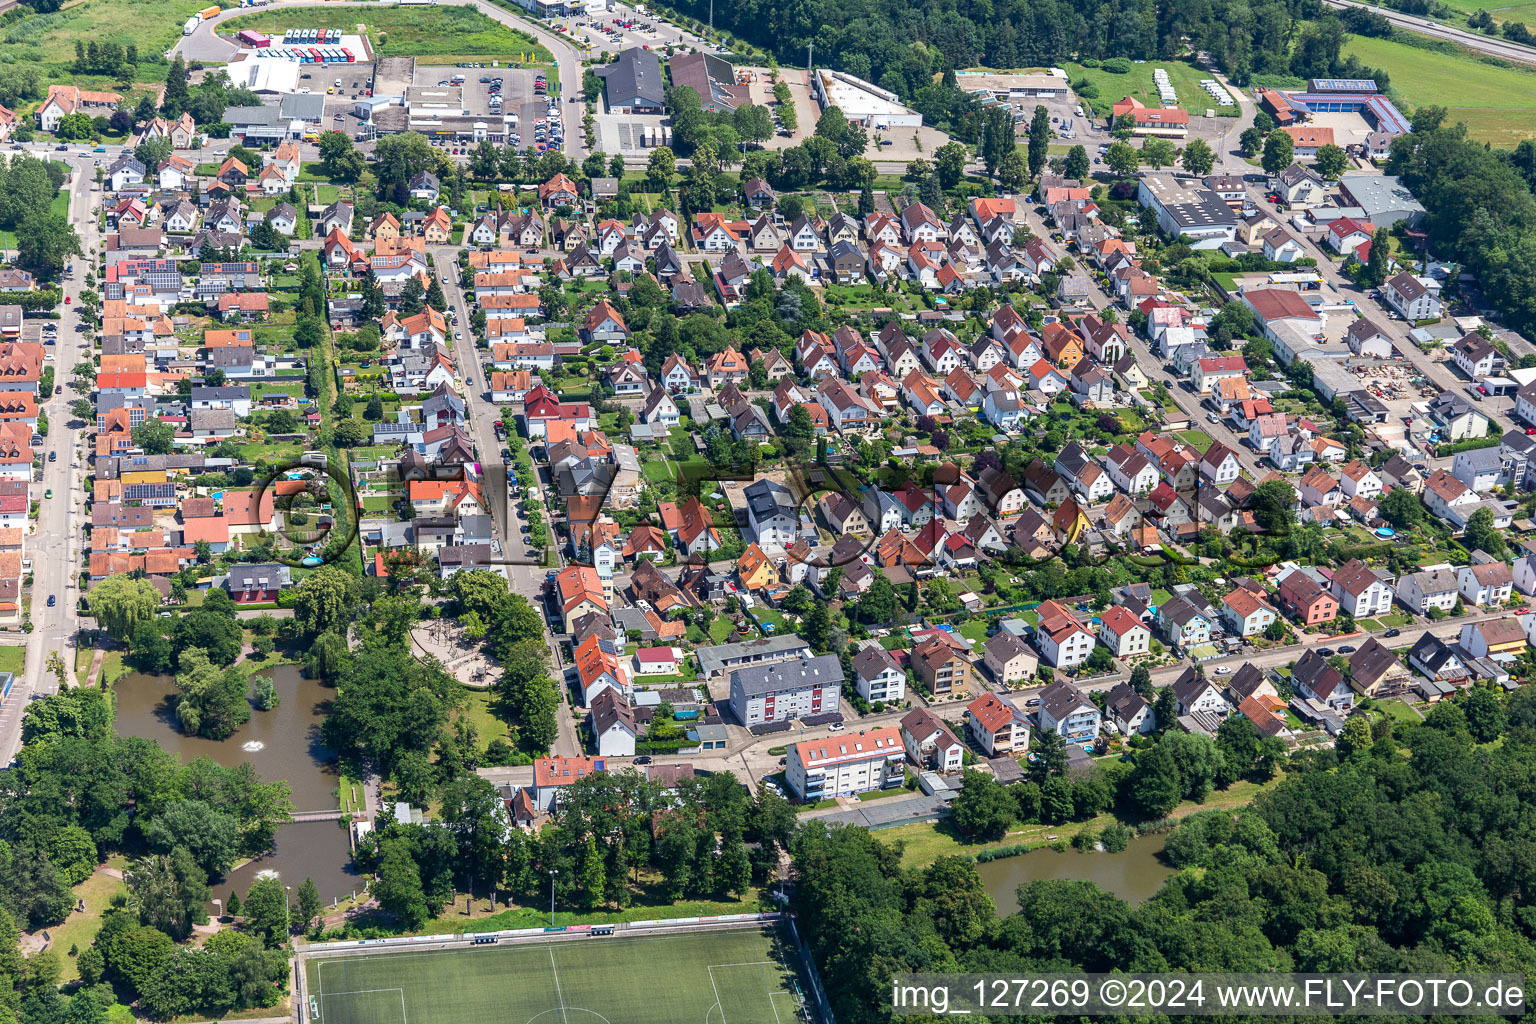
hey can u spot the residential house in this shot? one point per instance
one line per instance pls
(996, 726)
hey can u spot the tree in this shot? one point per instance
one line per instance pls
(155, 436)
(1485, 714)
(1050, 755)
(1482, 535)
(878, 603)
(339, 158)
(398, 885)
(121, 603)
(266, 911)
(213, 701)
(1141, 681)
(208, 834)
(309, 901)
(1197, 158)
(1279, 151)
(1377, 263)
(213, 632)
(1251, 141)
(169, 892)
(1157, 152)
(1273, 504)
(177, 96)
(983, 809)
(1355, 737)
(44, 243)
(1039, 139)
(949, 165)
(1013, 172)
(1076, 165)
(1155, 788)
(1402, 508)
(322, 601)
(1330, 161)
(1121, 158)
(659, 169)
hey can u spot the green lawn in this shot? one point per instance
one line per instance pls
(734, 976)
(1196, 439)
(151, 25)
(1138, 83)
(80, 928)
(1398, 709)
(975, 629)
(432, 32)
(477, 709)
(12, 659)
(1494, 102)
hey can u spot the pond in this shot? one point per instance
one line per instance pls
(1133, 875)
(283, 743)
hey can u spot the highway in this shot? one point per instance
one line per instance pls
(1491, 45)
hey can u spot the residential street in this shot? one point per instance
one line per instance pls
(525, 577)
(55, 546)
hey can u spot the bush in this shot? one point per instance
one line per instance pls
(1117, 65)
(1086, 839)
(1115, 837)
(1085, 89)
(998, 853)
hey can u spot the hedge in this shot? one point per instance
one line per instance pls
(1470, 445)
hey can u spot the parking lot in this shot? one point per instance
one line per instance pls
(516, 91)
(356, 80)
(604, 36)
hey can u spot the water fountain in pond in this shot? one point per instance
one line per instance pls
(251, 746)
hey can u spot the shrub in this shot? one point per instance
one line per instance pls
(1115, 837)
(1117, 65)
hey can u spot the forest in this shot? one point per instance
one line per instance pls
(1407, 850)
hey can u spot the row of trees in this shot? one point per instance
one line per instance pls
(615, 838)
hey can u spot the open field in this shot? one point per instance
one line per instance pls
(151, 25)
(437, 32)
(722, 977)
(1494, 102)
(1522, 11)
(1138, 83)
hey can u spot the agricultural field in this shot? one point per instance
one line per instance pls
(1522, 11)
(1138, 83)
(151, 25)
(722, 977)
(440, 33)
(1495, 102)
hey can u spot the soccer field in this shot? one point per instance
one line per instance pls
(718, 977)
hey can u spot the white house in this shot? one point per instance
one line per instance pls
(1412, 297)
(878, 677)
(1360, 591)
(1488, 583)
